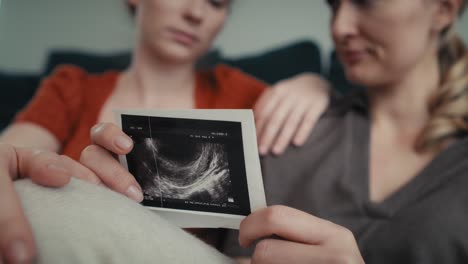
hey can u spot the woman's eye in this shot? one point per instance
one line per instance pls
(333, 4)
(364, 3)
(219, 3)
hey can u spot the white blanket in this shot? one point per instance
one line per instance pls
(84, 223)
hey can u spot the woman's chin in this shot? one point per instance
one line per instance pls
(179, 59)
(177, 54)
(360, 76)
(355, 77)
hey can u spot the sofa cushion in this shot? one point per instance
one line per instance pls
(91, 62)
(281, 63)
(17, 89)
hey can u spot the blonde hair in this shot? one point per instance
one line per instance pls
(448, 107)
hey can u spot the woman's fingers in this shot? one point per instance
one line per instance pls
(303, 238)
(46, 168)
(298, 124)
(289, 129)
(306, 126)
(287, 112)
(274, 126)
(50, 169)
(274, 251)
(110, 172)
(287, 223)
(312, 115)
(263, 110)
(79, 171)
(16, 239)
(112, 138)
(108, 138)
(43, 167)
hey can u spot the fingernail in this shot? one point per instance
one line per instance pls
(95, 180)
(263, 150)
(97, 128)
(123, 142)
(37, 152)
(17, 252)
(277, 151)
(135, 193)
(298, 142)
(56, 168)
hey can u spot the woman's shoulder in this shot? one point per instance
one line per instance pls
(77, 86)
(356, 102)
(62, 97)
(68, 76)
(345, 115)
(232, 87)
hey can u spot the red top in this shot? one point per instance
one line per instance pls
(69, 101)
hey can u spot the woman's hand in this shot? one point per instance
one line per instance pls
(109, 140)
(288, 111)
(45, 168)
(299, 238)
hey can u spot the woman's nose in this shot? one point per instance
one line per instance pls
(344, 21)
(195, 10)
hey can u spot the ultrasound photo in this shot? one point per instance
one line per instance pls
(188, 164)
(183, 169)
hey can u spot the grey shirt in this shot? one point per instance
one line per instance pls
(426, 221)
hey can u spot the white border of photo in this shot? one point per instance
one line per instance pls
(199, 219)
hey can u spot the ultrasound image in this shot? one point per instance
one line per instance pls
(178, 167)
(188, 164)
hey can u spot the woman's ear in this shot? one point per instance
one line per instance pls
(446, 14)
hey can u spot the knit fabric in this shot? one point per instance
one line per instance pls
(85, 223)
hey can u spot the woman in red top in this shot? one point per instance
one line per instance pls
(171, 36)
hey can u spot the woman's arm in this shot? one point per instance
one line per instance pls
(30, 135)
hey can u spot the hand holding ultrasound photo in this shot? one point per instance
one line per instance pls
(197, 168)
